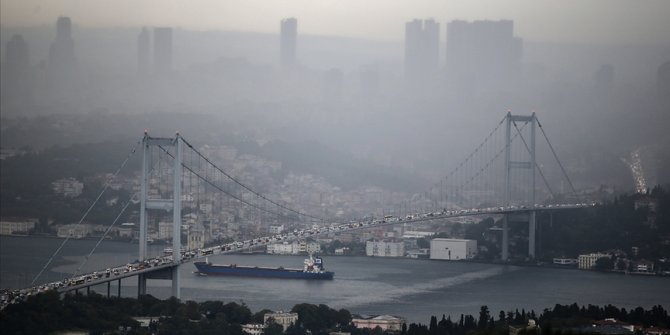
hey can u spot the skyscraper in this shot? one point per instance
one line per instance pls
(143, 51)
(162, 50)
(288, 42)
(16, 83)
(483, 54)
(62, 62)
(422, 40)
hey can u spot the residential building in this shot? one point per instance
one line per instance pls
(143, 51)
(164, 230)
(67, 187)
(385, 322)
(162, 50)
(482, 54)
(288, 42)
(385, 248)
(422, 40)
(452, 249)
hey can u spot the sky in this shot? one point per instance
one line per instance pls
(576, 21)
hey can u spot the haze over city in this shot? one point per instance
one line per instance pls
(483, 143)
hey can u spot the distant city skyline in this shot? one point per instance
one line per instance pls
(596, 21)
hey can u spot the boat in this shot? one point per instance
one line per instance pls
(313, 269)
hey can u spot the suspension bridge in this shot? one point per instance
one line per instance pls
(499, 177)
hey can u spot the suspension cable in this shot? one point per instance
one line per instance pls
(238, 198)
(125, 161)
(565, 174)
(535, 162)
(248, 188)
(109, 228)
(490, 161)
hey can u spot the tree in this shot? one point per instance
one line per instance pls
(273, 328)
(484, 317)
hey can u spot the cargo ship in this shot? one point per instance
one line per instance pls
(313, 269)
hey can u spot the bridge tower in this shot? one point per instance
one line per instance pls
(528, 165)
(173, 204)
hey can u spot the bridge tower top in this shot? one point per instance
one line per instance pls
(528, 163)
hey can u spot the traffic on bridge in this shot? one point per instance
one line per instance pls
(167, 261)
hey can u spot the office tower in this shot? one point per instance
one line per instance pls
(62, 62)
(663, 84)
(422, 40)
(16, 84)
(288, 42)
(162, 50)
(483, 54)
(143, 51)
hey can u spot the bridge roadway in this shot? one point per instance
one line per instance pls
(160, 267)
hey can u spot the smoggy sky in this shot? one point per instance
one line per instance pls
(582, 21)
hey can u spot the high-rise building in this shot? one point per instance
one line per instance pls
(16, 84)
(162, 50)
(663, 80)
(62, 62)
(422, 40)
(483, 53)
(143, 51)
(288, 42)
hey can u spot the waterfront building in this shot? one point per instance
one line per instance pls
(452, 249)
(385, 322)
(565, 261)
(385, 248)
(17, 227)
(281, 318)
(76, 231)
(588, 261)
(294, 248)
(127, 230)
(253, 328)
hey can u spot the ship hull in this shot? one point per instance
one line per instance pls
(259, 272)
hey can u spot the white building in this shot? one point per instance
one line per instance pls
(294, 248)
(281, 318)
(385, 322)
(276, 229)
(164, 230)
(75, 230)
(253, 328)
(196, 237)
(16, 227)
(67, 187)
(452, 249)
(588, 261)
(385, 248)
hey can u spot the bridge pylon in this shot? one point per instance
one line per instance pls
(174, 204)
(528, 165)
